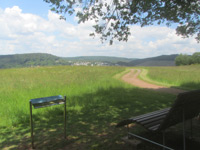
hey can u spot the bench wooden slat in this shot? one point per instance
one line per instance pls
(151, 113)
(152, 116)
(154, 128)
(158, 122)
(153, 119)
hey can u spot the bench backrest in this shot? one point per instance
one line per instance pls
(187, 104)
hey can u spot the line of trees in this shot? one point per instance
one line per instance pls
(184, 59)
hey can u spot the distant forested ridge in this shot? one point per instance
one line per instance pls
(184, 59)
(43, 59)
(29, 60)
(163, 60)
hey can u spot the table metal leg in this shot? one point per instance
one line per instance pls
(65, 117)
(31, 123)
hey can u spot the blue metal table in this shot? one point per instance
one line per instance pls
(45, 102)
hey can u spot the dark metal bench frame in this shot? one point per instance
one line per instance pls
(45, 102)
(185, 107)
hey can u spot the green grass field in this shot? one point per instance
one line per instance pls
(18, 86)
(96, 101)
(185, 77)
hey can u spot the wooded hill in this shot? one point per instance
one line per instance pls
(163, 60)
(42, 59)
(28, 60)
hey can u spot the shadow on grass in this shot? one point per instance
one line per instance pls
(191, 85)
(91, 120)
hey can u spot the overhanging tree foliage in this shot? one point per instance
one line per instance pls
(114, 17)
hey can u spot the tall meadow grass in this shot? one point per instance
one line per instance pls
(18, 86)
(186, 77)
(96, 101)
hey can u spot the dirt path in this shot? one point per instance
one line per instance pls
(132, 78)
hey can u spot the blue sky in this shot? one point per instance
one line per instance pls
(37, 7)
(27, 26)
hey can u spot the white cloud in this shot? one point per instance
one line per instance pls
(28, 33)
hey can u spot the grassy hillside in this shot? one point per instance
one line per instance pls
(95, 103)
(186, 77)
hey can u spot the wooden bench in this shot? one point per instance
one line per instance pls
(186, 106)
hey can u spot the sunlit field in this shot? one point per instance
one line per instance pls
(18, 86)
(96, 101)
(186, 77)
